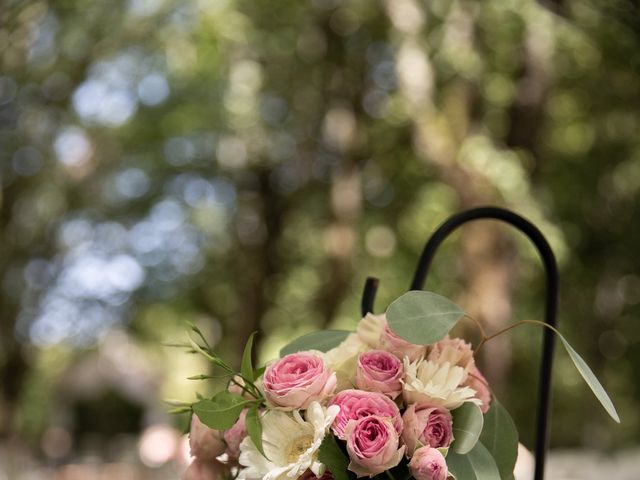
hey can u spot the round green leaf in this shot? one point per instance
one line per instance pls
(422, 317)
(467, 426)
(478, 464)
(322, 340)
(500, 436)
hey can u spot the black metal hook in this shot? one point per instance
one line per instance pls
(551, 306)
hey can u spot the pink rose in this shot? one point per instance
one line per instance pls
(298, 379)
(357, 404)
(372, 444)
(399, 346)
(428, 463)
(206, 443)
(477, 381)
(379, 371)
(235, 435)
(427, 425)
(203, 470)
(453, 350)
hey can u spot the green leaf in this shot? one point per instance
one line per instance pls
(322, 340)
(246, 367)
(590, 378)
(257, 373)
(422, 317)
(334, 458)
(254, 428)
(478, 464)
(222, 411)
(500, 436)
(467, 426)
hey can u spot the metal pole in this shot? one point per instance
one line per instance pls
(551, 306)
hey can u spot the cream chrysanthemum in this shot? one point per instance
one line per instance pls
(436, 384)
(290, 443)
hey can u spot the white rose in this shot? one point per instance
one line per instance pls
(343, 360)
(370, 329)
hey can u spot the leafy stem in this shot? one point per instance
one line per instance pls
(486, 338)
(582, 367)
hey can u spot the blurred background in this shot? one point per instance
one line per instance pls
(245, 164)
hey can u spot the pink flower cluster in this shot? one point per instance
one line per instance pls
(377, 424)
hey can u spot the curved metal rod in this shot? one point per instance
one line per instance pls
(551, 270)
(369, 295)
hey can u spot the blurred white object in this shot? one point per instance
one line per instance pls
(525, 464)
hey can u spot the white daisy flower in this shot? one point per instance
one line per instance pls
(436, 384)
(290, 443)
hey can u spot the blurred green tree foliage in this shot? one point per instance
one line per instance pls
(245, 164)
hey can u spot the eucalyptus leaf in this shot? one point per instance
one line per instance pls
(322, 340)
(334, 459)
(467, 426)
(591, 380)
(422, 317)
(222, 411)
(254, 428)
(246, 367)
(500, 437)
(478, 464)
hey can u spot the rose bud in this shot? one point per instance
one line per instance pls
(357, 404)
(206, 443)
(235, 435)
(392, 343)
(204, 470)
(455, 351)
(372, 445)
(477, 381)
(379, 371)
(428, 463)
(298, 379)
(425, 425)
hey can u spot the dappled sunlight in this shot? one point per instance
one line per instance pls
(245, 168)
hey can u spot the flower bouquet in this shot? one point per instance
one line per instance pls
(397, 398)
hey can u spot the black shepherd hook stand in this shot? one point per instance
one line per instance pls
(551, 307)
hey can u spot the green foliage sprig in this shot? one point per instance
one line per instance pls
(222, 410)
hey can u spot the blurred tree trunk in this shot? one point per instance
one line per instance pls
(13, 366)
(440, 130)
(258, 263)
